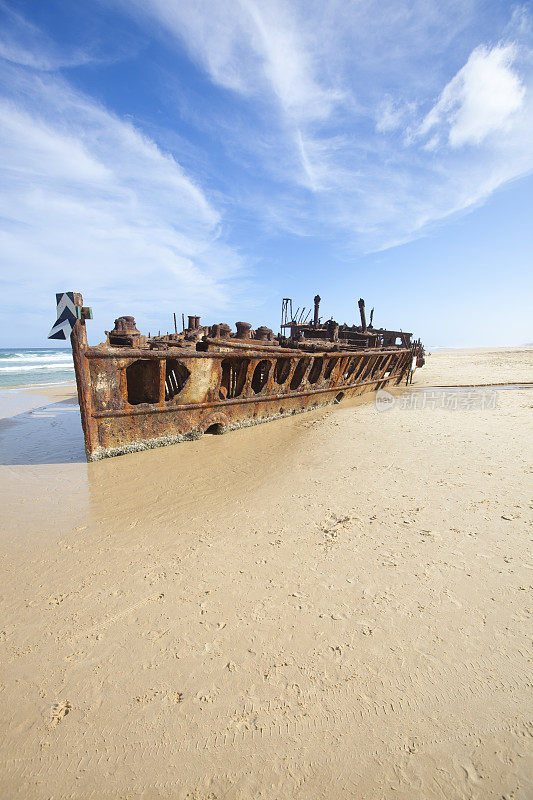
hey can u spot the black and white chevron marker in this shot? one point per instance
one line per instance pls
(66, 316)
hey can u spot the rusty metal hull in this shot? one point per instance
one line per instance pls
(140, 399)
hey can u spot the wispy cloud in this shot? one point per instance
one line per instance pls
(261, 51)
(346, 97)
(89, 202)
(392, 116)
(252, 48)
(24, 44)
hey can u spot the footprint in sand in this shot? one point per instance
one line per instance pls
(158, 694)
(59, 712)
(56, 601)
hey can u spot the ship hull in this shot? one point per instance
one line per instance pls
(139, 400)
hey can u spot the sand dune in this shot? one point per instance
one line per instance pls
(333, 605)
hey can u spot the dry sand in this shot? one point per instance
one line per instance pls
(334, 605)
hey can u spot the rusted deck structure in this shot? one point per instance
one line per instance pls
(138, 392)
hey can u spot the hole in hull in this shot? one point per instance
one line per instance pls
(281, 372)
(316, 370)
(359, 370)
(233, 377)
(299, 372)
(351, 368)
(142, 382)
(176, 376)
(260, 376)
(216, 428)
(330, 366)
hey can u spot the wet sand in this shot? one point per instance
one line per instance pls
(333, 605)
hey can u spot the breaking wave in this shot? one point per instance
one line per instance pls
(22, 367)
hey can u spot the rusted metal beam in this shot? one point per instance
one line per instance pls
(317, 305)
(362, 313)
(78, 341)
(250, 349)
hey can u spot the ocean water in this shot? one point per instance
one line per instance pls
(24, 366)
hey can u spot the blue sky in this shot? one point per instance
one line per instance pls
(211, 157)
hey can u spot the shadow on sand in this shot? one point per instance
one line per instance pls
(50, 434)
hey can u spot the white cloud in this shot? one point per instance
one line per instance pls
(481, 99)
(252, 48)
(266, 51)
(24, 44)
(322, 78)
(90, 203)
(389, 116)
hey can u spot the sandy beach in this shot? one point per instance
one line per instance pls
(332, 605)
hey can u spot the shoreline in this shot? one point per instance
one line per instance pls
(37, 385)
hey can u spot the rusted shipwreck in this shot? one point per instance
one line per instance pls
(137, 392)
